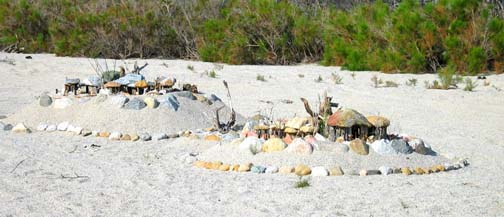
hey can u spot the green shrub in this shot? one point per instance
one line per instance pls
(470, 84)
(260, 78)
(302, 183)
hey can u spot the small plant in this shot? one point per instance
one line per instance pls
(435, 85)
(301, 75)
(376, 81)
(190, 67)
(411, 82)
(302, 183)
(319, 79)
(446, 77)
(353, 75)
(470, 84)
(212, 74)
(336, 78)
(391, 84)
(260, 78)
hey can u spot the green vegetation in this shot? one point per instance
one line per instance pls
(212, 74)
(412, 82)
(302, 183)
(336, 78)
(470, 84)
(467, 36)
(260, 78)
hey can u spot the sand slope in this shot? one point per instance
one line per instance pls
(148, 178)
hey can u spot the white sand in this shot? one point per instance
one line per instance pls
(148, 178)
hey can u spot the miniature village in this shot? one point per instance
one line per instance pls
(332, 129)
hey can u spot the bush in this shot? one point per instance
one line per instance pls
(470, 84)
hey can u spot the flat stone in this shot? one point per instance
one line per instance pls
(185, 94)
(224, 167)
(20, 128)
(134, 137)
(135, 104)
(104, 134)
(75, 130)
(170, 102)
(336, 171)
(419, 146)
(51, 128)
(286, 169)
(215, 165)
(212, 138)
(271, 169)
(369, 172)
(406, 171)
(299, 146)
(145, 137)
(160, 136)
(244, 167)
(385, 170)
(419, 171)
(359, 147)
(258, 169)
(319, 171)
(63, 126)
(400, 146)
(126, 137)
(115, 136)
(42, 127)
(302, 170)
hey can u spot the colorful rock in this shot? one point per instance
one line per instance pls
(359, 147)
(286, 170)
(273, 144)
(224, 167)
(212, 138)
(336, 171)
(299, 146)
(302, 170)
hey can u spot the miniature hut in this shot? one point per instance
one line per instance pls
(91, 85)
(291, 131)
(276, 130)
(306, 130)
(141, 87)
(71, 85)
(166, 83)
(379, 126)
(114, 87)
(349, 124)
(262, 131)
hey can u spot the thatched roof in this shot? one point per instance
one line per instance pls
(112, 84)
(378, 121)
(347, 118)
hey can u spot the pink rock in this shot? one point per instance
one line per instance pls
(299, 146)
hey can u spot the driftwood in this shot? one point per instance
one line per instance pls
(17, 165)
(226, 127)
(325, 110)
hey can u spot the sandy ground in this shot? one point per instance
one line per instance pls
(150, 179)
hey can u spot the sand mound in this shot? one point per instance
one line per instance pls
(229, 153)
(94, 114)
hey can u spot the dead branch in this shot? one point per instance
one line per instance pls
(76, 176)
(17, 165)
(307, 107)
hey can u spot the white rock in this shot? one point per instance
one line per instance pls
(160, 136)
(271, 169)
(51, 128)
(75, 130)
(319, 137)
(115, 136)
(118, 101)
(63, 126)
(62, 103)
(42, 127)
(385, 170)
(251, 145)
(20, 128)
(95, 132)
(383, 147)
(319, 171)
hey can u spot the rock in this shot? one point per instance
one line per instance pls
(145, 137)
(159, 136)
(199, 164)
(224, 167)
(115, 136)
(173, 136)
(135, 104)
(385, 170)
(251, 145)
(359, 147)
(235, 168)
(244, 167)
(320, 138)
(419, 171)
(341, 148)
(8, 127)
(273, 144)
(42, 127)
(215, 165)
(119, 101)
(212, 97)
(62, 103)
(302, 170)
(202, 99)
(319, 171)
(230, 136)
(258, 169)
(351, 172)
(45, 100)
(20, 128)
(310, 139)
(271, 169)
(397, 170)
(151, 102)
(86, 133)
(296, 122)
(104, 134)
(340, 139)
(369, 172)
(299, 146)
(135, 137)
(75, 130)
(419, 146)
(170, 102)
(95, 133)
(406, 171)
(126, 137)
(448, 167)
(336, 171)
(212, 138)
(286, 170)
(400, 146)
(63, 126)
(185, 94)
(51, 128)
